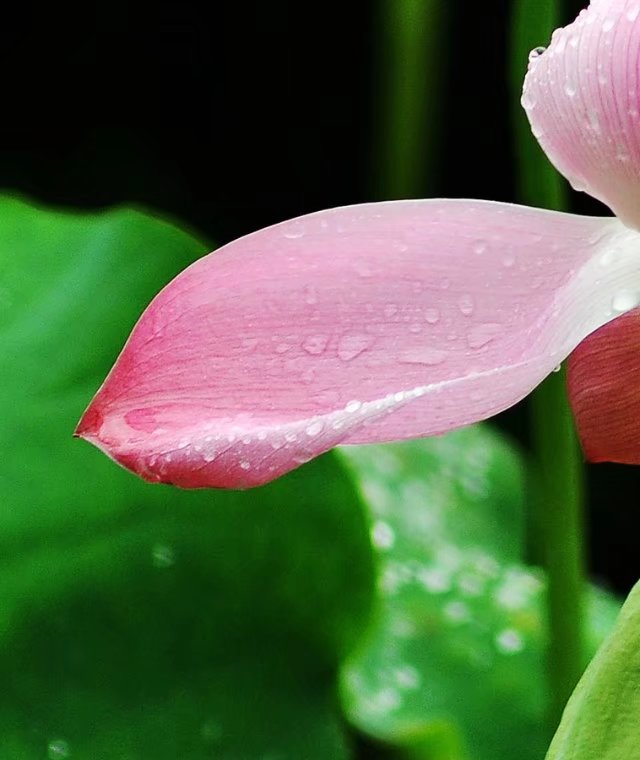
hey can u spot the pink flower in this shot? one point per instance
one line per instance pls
(405, 319)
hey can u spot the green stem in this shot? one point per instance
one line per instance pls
(407, 95)
(556, 522)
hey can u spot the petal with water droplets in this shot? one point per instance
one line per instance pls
(603, 383)
(582, 96)
(283, 344)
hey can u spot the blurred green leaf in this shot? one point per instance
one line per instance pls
(459, 639)
(602, 719)
(139, 621)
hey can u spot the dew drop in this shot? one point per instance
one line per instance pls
(315, 344)
(162, 556)
(249, 344)
(432, 316)
(508, 260)
(479, 247)
(424, 355)
(244, 465)
(625, 300)
(570, 90)
(608, 25)
(482, 334)
(315, 428)
(352, 345)
(558, 368)
(290, 437)
(528, 102)
(293, 231)
(536, 53)
(310, 295)
(416, 327)
(465, 304)
(58, 749)
(353, 406)
(509, 641)
(383, 535)
(633, 12)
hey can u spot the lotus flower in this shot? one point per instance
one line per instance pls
(405, 319)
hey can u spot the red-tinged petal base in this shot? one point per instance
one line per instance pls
(604, 387)
(354, 325)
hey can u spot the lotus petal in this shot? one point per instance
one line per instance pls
(354, 325)
(582, 97)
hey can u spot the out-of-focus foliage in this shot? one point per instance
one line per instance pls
(138, 621)
(458, 648)
(601, 720)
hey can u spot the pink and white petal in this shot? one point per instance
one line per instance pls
(354, 325)
(582, 97)
(604, 387)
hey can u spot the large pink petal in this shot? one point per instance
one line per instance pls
(604, 386)
(582, 96)
(359, 324)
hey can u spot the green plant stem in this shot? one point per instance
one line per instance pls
(556, 523)
(407, 91)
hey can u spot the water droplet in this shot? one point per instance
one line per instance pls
(558, 368)
(383, 535)
(290, 436)
(315, 344)
(625, 300)
(293, 230)
(479, 247)
(244, 465)
(248, 344)
(593, 121)
(432, 316)
(310, 295)
(315, 428)
(457, 612)
(536, 53)
(416, 327)
(308, 376)
(509, 641)
(608, 25)
(528, 100)
(608, 257)
(508, 260)
(390, 310)
(424, 355)
(407, 677)
(353, 406)
(58, 749)
(466, 305)
(352, 345)
(570, 89)
(162, 556)
(482, 334)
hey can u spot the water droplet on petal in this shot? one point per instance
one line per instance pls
(482, 334)
(353, 406)
(633, 12)
(479, 247)
(536, 53)
(424, 355)
(466, 305)
(352, 345)
(315, 344)
(432, 316)
(625, 300)
(293, 230)
(608, 25)
(315, 428)
(570, 89)
(508, 260)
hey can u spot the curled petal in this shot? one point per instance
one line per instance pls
(604, 388)
(361, 324)
(582, 97)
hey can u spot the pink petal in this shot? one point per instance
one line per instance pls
(354, 325)
(604, 386)
(582, 97)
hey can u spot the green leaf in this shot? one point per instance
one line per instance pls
(459, 639)
(602, 718)
(140, 621)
